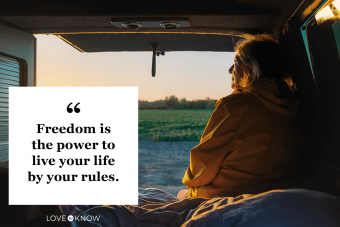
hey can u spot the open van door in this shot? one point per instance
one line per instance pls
(309, 29)
(312, 43)
(199, 26)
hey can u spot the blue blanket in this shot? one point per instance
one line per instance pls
(279, 208)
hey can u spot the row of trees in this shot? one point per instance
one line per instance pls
(173, 102)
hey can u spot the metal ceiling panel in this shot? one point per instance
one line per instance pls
(88, 25)
(142, 42)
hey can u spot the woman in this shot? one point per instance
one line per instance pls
(252, 138)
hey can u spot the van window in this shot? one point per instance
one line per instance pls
(9, 77)
(329, 10)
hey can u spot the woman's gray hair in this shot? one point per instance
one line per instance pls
(266, 56)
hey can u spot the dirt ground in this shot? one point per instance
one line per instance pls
(163, 164)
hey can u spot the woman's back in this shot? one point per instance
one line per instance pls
(251, 140)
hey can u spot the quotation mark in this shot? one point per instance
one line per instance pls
(76, 109)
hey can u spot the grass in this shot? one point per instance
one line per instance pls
(172, 125)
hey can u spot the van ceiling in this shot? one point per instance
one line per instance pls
(214, 25)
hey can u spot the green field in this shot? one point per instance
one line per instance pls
(172, 125)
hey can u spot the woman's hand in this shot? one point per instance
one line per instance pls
(183, 194)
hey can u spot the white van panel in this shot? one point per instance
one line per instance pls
(16, 42)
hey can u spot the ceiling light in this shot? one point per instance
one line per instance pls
(170, 25)
(132, 25)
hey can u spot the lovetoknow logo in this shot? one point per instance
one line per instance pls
(72, 218)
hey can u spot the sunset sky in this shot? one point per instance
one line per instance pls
(190, 75)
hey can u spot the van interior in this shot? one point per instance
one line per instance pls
(309, 30)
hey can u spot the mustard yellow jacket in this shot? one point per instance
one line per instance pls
(251, 139)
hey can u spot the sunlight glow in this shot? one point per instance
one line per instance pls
(336, 3)
(325, 13)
